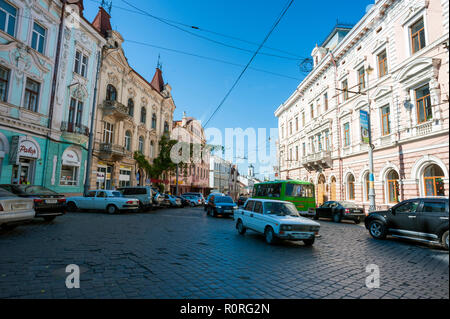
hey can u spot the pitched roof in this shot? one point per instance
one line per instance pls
(158, 82)
(102, 22)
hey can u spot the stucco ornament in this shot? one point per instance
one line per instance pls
(144, 101)
(22, 61)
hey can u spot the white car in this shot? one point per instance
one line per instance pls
(14, 210)
(110, 201)
(276, 220)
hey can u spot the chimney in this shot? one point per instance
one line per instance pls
(102, 22)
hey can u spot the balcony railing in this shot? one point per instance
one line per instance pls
(317, 160)
(424, 129)
(114, 150)
(74, 128)
(116, 109)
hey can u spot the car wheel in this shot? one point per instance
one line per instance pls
(444, 240)
(72, 207)
(336, 218)
(377, 229)
(269, 235)
(309, 242)
(357, 221)
(111, 209)
(49, 218)
(240, 227)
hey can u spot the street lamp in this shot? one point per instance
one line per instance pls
(372, 206)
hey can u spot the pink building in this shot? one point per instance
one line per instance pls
(394, 64)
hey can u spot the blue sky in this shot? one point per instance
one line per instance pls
(198, 85)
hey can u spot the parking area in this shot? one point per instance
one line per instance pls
(182, 253)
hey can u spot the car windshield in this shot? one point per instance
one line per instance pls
(4, 193)
(35, 190)
(348, 204)
(223, 199)
(280, 209)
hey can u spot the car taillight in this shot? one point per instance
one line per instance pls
(130, 202)
(347, 211)
(61, 200)
(38, 201)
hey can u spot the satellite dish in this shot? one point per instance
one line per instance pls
(407, 104)
(369, 7)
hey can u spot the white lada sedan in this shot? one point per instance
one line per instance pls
(276, 220)
(103, 200)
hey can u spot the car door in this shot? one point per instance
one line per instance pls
(403, 217)
(246, 212)
(101, 201)
(257, 218)
(432, 216)
(322, 211)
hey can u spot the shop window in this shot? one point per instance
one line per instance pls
(69, 175)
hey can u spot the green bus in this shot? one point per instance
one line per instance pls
(301, 194)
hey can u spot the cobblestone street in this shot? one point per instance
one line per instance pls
(183, 253)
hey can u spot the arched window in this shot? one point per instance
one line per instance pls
(128, 140)
(433, 181)
(351, 187)
(392, 185)
(130, 107)
(111, 93)
(143, 115)
(166, 127)
(141, 144)
(333, 189)
(154, 121)
(152, 150)
(366, 186)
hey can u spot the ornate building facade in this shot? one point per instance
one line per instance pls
(394, 65)
(132, 115)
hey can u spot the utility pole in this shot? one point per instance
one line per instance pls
(87, 184)
(372, 206)
(176, 187)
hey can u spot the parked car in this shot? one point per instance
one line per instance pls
(158, 199)
(421, 219)
(109, 201)
(47, 203)
(199, 195)
(194, 201)
(221, 205)
(339, 211)
(171, 201)
(276, 220)
(184, 201)
(143, 193)
(241, 200)
(211, 195)
(14, 210)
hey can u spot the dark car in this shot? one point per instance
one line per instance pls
(47, 203)
(184, 201)
(241, 200)
(221, 205)
(339, 211)
(422, 219)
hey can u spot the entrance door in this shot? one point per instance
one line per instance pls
(23, 173)
(333, 189)
(321, 190)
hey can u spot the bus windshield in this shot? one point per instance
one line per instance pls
(296, 190)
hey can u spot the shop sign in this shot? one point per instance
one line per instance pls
(70, 158)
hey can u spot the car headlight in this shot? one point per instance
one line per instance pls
(218, 206)
(286, 227)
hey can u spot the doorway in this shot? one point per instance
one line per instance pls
(23, 174)
(321, 190)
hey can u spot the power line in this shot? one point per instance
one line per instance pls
(165, 21)
(251, 60)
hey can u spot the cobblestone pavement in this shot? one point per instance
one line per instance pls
(182, 253)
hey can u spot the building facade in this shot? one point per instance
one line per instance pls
(194, 177)
(394, 66)
(28, 46)
(219, 174)
(132, 115)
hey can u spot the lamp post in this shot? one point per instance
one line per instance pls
(372, 206)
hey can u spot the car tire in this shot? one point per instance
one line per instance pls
(111, 209)
(357, 221)
(377, 229)
(269, 236)
(444, 240)
(49, 218)
(309, 242)
(336, 218)
(240, 227)
(72, 207)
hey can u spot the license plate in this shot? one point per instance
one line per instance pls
(51, 201)
(301, 236)
(227, 211)
(356, 211)
(17, 207)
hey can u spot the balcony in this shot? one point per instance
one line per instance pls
(317, 161)
(424, 129)
(113, 151)
(115, 109)
(75, 133)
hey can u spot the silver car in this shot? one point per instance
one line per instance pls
(14, 210)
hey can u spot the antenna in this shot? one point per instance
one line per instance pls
(159, 65)
(107, 5)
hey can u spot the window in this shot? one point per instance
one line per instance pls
(312, 111)
(393, 189)
(318, 107)
(303, 119)
(143, 115)
(304, 149)
(296, 190)
(38, 38)
(351, 187)
(290, 128)
(31, 95)
(385, 121)
(8, 15)
(367, 184)
(141, 144)
(296, 124)
(258, 208)
(249, 206)
(69, 176)
(347, 134)
(154, 121)
(319, 142)
(361, 79)
(108, 132)
(325, 102)
(130, 107)
(75, 113)
(128, 140)
(152, 151)
(417, 32)
(327, 140)
(345, 90)
(408, 208)
(296, 153)
(111, 93)
(423, 104)
(382, 64)
(81, 63)
(434, 181)
(434, 207)
(166, 127)
(4, 83)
